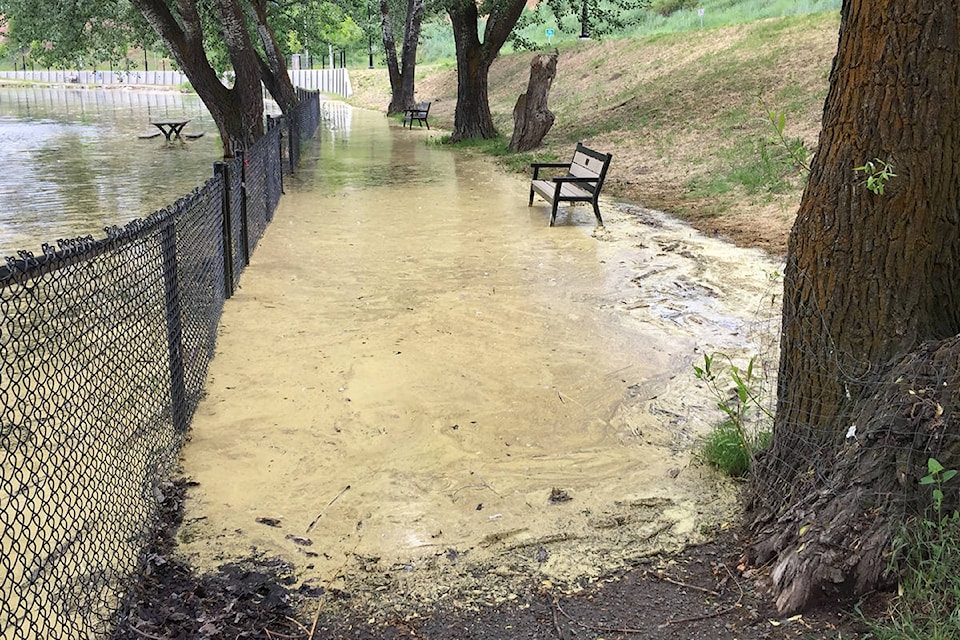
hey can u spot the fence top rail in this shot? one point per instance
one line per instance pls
(69, 251)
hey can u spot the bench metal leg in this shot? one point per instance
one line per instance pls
(553, 214)
(596, 210)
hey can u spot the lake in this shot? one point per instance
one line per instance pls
(73, 162)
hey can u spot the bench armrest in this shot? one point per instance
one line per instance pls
(536, 166)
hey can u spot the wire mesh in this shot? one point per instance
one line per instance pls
(104, 347)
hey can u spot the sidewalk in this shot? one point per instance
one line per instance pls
(417, 369)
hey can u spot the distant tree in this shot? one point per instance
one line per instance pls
(870, 358)
(472, 118)
(203, 38)
(401, 72)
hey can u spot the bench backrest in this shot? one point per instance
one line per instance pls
(588, 163)
(423, 106)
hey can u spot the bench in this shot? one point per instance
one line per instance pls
(584, 179)
(418, 113)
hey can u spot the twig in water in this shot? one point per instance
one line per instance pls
(335, 498)
(664, 578)
(144, 634)
(297, 622)
(316, 616)
(591, 627)
(718, 612)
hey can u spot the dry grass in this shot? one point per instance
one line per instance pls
(679, 112)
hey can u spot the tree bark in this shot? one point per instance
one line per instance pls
(532, 118)
(273, 69)
(237, 111)
(402, 77)
(869, 278)
(472, 118)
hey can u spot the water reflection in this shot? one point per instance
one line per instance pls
(73, 161)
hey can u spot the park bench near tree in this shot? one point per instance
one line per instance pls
(582, 183)
(418, 113)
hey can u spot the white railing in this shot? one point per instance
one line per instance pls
(333, 81)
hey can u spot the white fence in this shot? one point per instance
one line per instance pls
(334, 81)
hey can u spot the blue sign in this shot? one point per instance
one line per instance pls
(549, 33)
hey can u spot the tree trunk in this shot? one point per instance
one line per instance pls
(532, 118)
(273, 69)
(246, 67)
(402, 79)
(237, 111)
(472, 117)
(869, 278)
(393, 64)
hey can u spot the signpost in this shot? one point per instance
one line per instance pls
(700, 13)
(549, 35)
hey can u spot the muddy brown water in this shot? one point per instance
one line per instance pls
(409, 328)
(73, 160)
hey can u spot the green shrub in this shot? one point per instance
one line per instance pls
(724, 448)
(667, 8)
(733, 444)
(926, 554)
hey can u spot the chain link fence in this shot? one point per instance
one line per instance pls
(104, 347)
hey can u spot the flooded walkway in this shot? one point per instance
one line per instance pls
(418, 378)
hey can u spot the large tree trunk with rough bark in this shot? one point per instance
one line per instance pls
(532, 117)
(871, 306)
(401, 72)
(273, 69)
(238, 110)
(472, 118)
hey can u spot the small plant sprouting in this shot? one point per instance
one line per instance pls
(796, 150)
(878, 173)
(926, 556)
(732, 445)
(938, 476)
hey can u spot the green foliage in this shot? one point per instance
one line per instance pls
(734, 443)
(602, 18)
(878, 173)
(668, 7)
(795, 148)
(927, 555)
(758, 164)
(73, 35)
(724, 449)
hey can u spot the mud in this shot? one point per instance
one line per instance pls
(422, 393)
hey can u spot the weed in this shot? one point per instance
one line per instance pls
(734, 443)
(878, 173)
(927, 553)
(725, 448)
(795, 149)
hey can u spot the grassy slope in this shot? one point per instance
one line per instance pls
(683, 115)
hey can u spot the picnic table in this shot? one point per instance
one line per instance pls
(170, 127)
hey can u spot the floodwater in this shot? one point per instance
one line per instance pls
(73, 163)
(421, 389)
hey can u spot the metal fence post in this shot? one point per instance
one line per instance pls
(171, 296)
(293, 132)
(244, 227)
(222, 171)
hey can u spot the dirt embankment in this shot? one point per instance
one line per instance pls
(685, 116)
